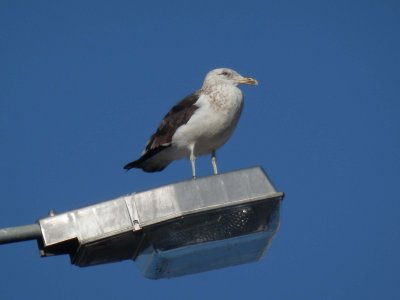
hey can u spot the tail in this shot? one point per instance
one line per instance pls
(147, 165)
(131, 165)
(149, 161)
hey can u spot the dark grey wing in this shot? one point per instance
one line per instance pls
(161, 139)
(176, 117)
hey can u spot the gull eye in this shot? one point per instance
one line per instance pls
(225, 73)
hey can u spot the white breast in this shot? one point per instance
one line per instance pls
(213, 122)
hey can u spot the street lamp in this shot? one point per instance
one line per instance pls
(173, 230)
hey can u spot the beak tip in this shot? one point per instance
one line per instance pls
(252, 81)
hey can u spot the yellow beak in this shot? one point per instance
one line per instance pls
(247, 80)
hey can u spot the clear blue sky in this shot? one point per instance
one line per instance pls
(83, 84)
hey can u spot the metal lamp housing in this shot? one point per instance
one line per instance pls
(174, 230)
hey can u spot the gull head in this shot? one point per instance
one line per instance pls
(227, 76)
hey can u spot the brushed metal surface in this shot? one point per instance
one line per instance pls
(131, 226)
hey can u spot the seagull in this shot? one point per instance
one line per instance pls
(197, 125)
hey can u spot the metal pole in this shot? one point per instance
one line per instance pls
(20, 233)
